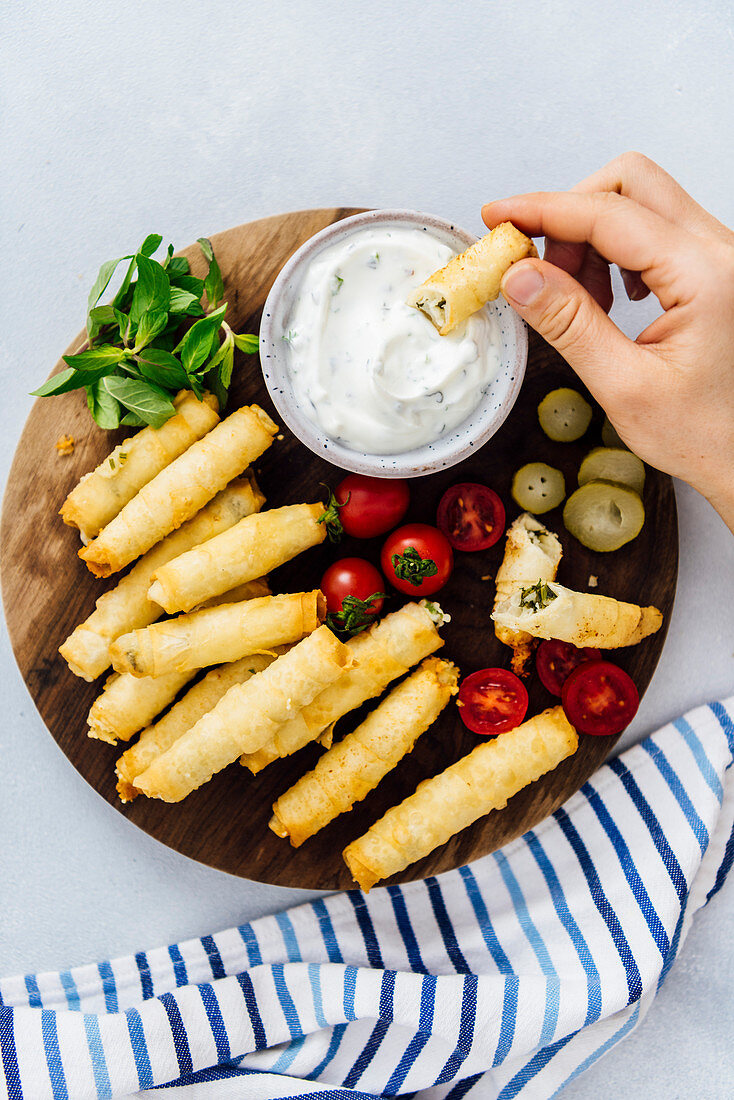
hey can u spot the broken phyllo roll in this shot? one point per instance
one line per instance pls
(218, 634)
(246, 716)
(356, 764)
(255, 546)
(382, 653)
(480, 782)
(127, 606)
(532, 553)
(104, 492)
(471, 279)
(180, 490)
(548, 610)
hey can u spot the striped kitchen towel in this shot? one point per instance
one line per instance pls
(499, 980)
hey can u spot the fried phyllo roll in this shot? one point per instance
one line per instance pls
(247, 716)
(548, 610)
(256, 545)
(354, 767)
(471, 279)
(250, 590)
(104, 492)
(180, 490)
(198, 701)
(482, 781)
(384, 652)
(130, 703)
(218, 634)
(127, 607)
(532, 553)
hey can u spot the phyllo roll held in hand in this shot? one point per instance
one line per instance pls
(482, 781)
(356, 765)
(104, 492)
(180, 490)
(472, 279)
(548, 610)
(216, 635)
(127, 606)
(198, 701)
(384, 652)
(246, 716)
(256, 545)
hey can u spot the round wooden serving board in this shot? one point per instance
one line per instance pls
(47, 591)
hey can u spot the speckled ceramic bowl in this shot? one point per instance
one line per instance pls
(448, 449)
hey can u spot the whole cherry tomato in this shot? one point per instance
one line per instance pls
(370, 506)
(354, 592)
(417, 559)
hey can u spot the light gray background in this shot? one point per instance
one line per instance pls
(183, 118)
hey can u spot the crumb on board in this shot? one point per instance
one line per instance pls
(593, 581)
(486, 577)
(280, 437)
(65, 444)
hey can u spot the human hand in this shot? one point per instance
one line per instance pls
(670, 393)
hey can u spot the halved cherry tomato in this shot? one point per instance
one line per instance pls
(555, 661)
(491, 701)
(417, 559)
(371, 505)
(599, 698)
(471, 516)
(351, 577)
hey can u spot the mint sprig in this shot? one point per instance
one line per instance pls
(140, 351)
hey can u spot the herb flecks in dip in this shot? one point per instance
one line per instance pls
(369, 370)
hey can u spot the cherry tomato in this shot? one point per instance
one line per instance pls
(471, 516)
(555, 661)
(492, 701)
(599, 698)
(371, 505)
(351, 577)
(424, 559)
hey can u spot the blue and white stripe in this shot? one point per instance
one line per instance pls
(500, 980)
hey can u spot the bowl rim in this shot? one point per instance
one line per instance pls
(428, 458)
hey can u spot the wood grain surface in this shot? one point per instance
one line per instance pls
(47, 591)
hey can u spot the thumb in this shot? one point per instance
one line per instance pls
(566, 315)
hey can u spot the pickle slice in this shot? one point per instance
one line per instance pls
(564, 415)
(603, 515)
(613, 464)
(537, 487)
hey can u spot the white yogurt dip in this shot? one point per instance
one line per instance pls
(369, 370)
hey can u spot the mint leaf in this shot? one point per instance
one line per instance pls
(162, 368)
(105, 273)
(191, 283)
(103, 407)
(152, 290)
(99, 360)
(150, 325)
(150, 245)
(247, 343)
(123, 323)
(195, 346)
(143, 399)
(176, 266)
(62, 382)
(131, 420)
(226, 366)
(213, 284)
(183, 301)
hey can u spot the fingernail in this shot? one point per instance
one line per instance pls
(523, 283)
